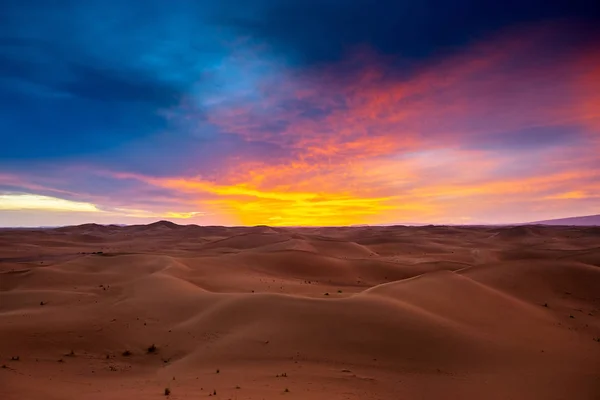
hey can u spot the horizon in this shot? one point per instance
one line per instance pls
(298, 113)
(552, 222)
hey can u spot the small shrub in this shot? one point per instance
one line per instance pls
(287, 390)
(326, 294)
(237, 387)
(15, 358)
(546, 305)
(152, 349)
(43, 303)
(214, 392)
(218, 371)
(126, 353)
(167, 391)
(572, 316)
(70, 354)
(339, 291)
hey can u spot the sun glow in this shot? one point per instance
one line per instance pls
(47, 203)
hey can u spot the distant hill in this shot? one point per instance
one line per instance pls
(588, 220)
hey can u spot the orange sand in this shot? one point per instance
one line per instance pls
(344, 313)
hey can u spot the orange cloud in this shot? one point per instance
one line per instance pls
(535, 184)
(575, 194)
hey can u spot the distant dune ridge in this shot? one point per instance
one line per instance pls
(425, 312)
(588, 220)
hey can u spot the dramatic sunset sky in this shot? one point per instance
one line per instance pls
(298, 112)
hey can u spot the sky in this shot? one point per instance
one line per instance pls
(298, 112)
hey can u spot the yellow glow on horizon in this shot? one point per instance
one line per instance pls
(234, 190)
(20, 202)
(250, 205)
(131, 212)
(328, 211)
(182, 215)
(16, 202)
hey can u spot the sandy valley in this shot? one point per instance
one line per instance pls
(109, 312)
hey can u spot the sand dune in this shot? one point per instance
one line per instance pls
(303, 313)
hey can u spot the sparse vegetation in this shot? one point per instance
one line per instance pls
(287, 390)
(70, 354)
(43, 303)
(237, 387)
(152, 349)
(339, 291)
(214, 392)
(167, 391)
(218, 371)
(572, 316)
(4, 366)
(326, 294)
(126, 353)
(546, 305)
(60, 360)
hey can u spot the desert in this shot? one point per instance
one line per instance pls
(299, 200)
(385, 312)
